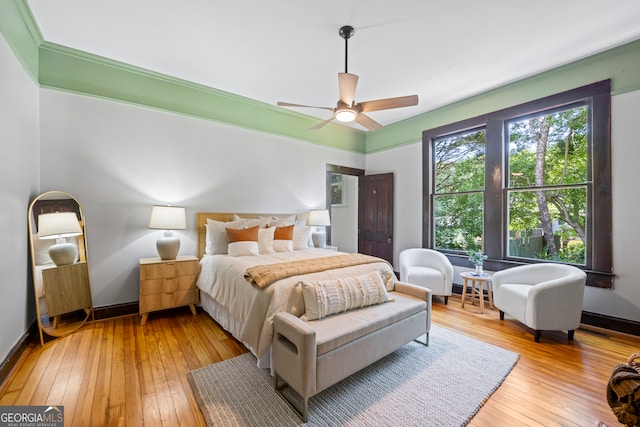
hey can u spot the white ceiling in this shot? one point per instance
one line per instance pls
(290, 50)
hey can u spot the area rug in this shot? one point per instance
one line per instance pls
(444, 384)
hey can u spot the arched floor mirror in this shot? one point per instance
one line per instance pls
(57, 237)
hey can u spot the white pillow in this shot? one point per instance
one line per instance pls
(326, 297)
(243, 248)
(265, 240)
(216, 235)
(301, 236)
(262, 221)
(41, 250)
(283, 245)
(281, 221)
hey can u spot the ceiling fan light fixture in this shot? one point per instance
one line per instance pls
(345, 115)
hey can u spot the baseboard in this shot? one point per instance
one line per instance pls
(617, 324)
(12, 359)
(116, 310)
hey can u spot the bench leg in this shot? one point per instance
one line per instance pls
(305, 401)
(425, 342)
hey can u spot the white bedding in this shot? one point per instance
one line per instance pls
(249, 310)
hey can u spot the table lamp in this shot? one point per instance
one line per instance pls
(59, 226)
(168, 218)
(319, 218)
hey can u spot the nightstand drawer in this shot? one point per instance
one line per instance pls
(168, 300)
(156, 286)
(169, 269)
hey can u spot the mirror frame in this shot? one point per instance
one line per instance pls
(73, 308)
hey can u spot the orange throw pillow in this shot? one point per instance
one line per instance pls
(284, 233)
(243, 234)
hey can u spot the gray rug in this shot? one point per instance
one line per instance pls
(444, 384)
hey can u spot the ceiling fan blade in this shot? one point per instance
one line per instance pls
(389, 103)
(367, 122)
(288, 104)
(347, 83)
(321, 124)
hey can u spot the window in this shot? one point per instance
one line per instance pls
(547, 186)
(521, 184)
(338, 196)
(459, 191)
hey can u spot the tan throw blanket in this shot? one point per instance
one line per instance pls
(262, 276)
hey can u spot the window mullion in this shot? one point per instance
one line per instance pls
(493, 201)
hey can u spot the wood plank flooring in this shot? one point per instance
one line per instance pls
(118, 373)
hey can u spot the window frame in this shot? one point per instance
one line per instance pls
(597, 97)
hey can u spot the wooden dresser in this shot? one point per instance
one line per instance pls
(167, 284)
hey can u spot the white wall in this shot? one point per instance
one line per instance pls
(118, 160)
(623, 301)
(18, 184)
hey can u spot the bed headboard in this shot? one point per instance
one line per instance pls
(201, 221)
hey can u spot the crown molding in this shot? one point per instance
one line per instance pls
(71, 70)
(22, 34)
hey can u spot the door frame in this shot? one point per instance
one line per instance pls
(343, 170)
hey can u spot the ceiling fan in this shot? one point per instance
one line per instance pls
(347, 110)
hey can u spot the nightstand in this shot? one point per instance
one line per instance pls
(168, 284)
(66, 289)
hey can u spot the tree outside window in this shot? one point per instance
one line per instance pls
(529, 183)
(459, 188)
(547, 190)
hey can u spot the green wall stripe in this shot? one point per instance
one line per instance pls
(621, 64)
(72, 70)
(21, 33)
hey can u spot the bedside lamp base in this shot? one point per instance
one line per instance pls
(168, 246)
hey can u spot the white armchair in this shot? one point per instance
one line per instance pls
(427, 268)
(543, 296)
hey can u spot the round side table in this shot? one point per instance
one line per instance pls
(477, 282)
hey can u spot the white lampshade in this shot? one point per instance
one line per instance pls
(168, 218)
(319, 217)
(60, 225)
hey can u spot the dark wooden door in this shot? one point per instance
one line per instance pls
(375, 215)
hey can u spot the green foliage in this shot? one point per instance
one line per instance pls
(459, 181)
(454, 230)
(546, 154)
(336, 189)
(476, 257)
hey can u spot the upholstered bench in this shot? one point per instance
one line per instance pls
(311, 355)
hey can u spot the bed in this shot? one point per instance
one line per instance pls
(246, 310)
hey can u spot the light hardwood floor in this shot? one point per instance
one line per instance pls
(116, 372)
